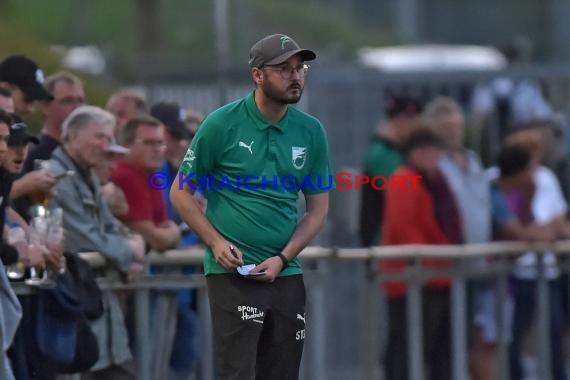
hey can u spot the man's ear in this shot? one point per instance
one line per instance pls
(72, 134)
(43, 106)
(257, 75)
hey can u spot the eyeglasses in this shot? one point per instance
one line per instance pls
(286, 72)
(69, 100)
(153, 143)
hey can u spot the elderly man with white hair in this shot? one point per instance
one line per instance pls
(86, 135)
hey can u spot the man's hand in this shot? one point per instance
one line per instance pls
(54, 255)
(40, 179)
(226, 257)
(33, 182)
(115, 199)
(36, 254)
(137, 245)
(22, 248)
(272, 267)
(566, 230)
(541, 233)
(135, 271)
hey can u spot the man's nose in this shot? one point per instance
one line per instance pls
(296, 74)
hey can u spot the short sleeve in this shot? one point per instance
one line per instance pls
(320, 172)
(548, 201)
(140, 204)
(500, 210)
(200, 158)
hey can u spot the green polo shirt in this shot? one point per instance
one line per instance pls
(382, 158)
(251, 172)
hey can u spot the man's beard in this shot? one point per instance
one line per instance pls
(280, 97)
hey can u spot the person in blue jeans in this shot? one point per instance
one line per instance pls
(524, 298)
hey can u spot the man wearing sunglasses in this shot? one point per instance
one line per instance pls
(258, 314)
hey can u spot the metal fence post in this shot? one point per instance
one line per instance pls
(370, 322)
(3, 363)
(458, 328)
(415, 326)
(318, 325)
(207, 367)
(501, 317)
(542, 307)
(142, 307)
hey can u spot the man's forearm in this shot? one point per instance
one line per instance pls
(191, 212)
(166, 238)
(17, 219)
(306, 230)
(21, 187)
(557, 225)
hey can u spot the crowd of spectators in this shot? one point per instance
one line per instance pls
(87, 172)
(459, 200)
(91, 166)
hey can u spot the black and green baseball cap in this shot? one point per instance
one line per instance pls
(276, 49)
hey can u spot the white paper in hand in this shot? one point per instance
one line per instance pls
(245, 269)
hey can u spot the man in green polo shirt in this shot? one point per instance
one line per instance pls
(383, 156)
(240, 157)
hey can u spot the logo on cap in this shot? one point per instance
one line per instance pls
(39, 76)
(182, 115)
(284, 40)
(18, 126)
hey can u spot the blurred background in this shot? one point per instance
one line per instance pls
(196, 52)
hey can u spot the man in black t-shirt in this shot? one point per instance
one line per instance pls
(8, 254)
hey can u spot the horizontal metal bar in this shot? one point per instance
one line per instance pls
(195, 256)
(315, 253)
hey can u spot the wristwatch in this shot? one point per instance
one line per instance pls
(283, 260)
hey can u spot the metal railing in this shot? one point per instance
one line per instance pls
(314, 258)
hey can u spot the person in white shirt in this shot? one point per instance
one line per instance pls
(465, 175)
(548, 208)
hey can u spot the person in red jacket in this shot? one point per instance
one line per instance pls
(412, 216)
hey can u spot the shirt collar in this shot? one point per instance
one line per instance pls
(83, 171)
(259, 119)
(472, 163)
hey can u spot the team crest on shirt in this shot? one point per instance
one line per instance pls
(189, 157)
(298, 155)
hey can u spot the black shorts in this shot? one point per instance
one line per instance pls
(258, 327)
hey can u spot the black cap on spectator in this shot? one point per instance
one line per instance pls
(5, 117)
(19, 133)
(173, 117)
(422, 138)
(24, 73)
(402, 105)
